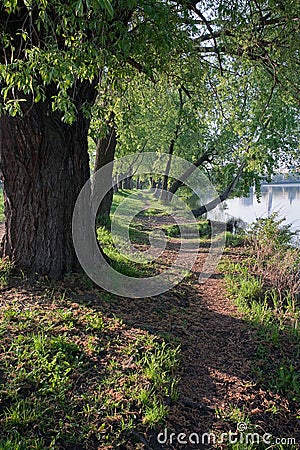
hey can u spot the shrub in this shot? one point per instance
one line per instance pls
(274, 259)
(269, 235)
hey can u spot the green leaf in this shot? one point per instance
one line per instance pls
(105, 4)
(79, 8)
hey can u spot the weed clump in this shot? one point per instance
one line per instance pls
(266, 288)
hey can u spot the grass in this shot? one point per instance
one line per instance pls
(73, 378)
(115, 245)
(203, 228)
(5, 270)
(278, 333)
(117, 255)
(234, 239)
(266, 292)
(117, 248)
(139, 199)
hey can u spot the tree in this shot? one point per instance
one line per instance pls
(54, 56)
(106, 143)
(238, 128)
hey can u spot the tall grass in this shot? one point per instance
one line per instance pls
(266, 288)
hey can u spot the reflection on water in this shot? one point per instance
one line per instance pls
(284, 198)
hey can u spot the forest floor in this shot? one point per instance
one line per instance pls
(219, 390)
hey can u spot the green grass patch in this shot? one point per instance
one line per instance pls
(137, 200)
(154, 211)
(128, 232)
(203, 228)
(5, 270)
(117, 253)
(73, 378)
(277, 329)
(265, 286)
(234, 239)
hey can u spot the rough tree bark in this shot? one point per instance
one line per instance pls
(164, 195)
(105, 153)
(128, 182)
(45, 163)
(152, 183)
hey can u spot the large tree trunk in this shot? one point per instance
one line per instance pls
(128, 182)
(45, 164)
(164, 195)
(105, 153)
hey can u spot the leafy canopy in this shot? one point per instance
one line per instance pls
(49, 48)
(236, 62)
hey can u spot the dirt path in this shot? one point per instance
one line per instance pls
(218, 354)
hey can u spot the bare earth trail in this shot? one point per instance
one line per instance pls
(218, 354)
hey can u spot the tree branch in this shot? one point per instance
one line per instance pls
(212, 34)
(222, 197)
(132, 62)
(178, 183)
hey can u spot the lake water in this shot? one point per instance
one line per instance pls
(284, 198)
